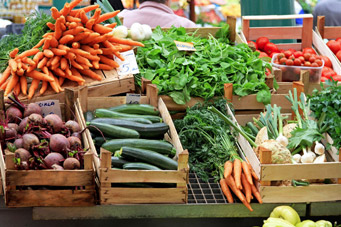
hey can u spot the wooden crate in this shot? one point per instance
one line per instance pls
(71, 187)
(277, 172)
(127, 195)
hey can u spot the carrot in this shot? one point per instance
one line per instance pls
(12, 83)
(96, 46)
(39, 44)
(256, 193)
(20, 72)
(77, 79)
(82, 60)
(51, 26)
(55, 13)
(33, 88)
(27, 53)
(228, 166)
(73, 19)
(105, 67)
(107, 51)
(91, 50)
(47, 43)
(61, 81)
(254, 175)
(95, 64)
(45, 70)
(101, 29)
(85, 9)
(53, 84)
(5, 75)
(226, 190)
(39, 76)
(43, 87)
(96, 14)
(55, 60)
(4, 85)
(90, 23)
(75, 45)
(65, 39)
(231, 183)
(117, 54)
(55, 65)
(108, 61)
(28, 61)
(19, 63)
(247, 188)
(66, 9)
(13, 64)
(81, 36)
(13, 53)
(53, 42)
(123, 48)
(38, 57)
(247, 172)
(31, 68)
(48, 53)
(101, 38)
(63, 27)
(71, 56)
(48, 34)
(91, 37)
(58, 29)
(126, 42)
(74, 3)
(74, 31)
(16, 89)
(25, 67)
(83, 17)
(113, 25)
(107, 16)
(237, 171)
(23, 85)
(59, 72)
(91, 74)
(42, 63)
(63, 63)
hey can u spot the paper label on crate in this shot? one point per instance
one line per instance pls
(133, 98)
(129, 65)
(50, 107)
(184, 46)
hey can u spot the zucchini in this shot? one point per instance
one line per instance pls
(140, 165)
(138, 120)
(113, 131)
(113, 114)
(159, 146)
(143, 109)
(117, 162)
(150, 157)
(88, 116)
(156, 130)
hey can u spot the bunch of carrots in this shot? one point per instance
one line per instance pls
(77, 46)
(241, 179)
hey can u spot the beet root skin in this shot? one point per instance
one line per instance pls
(18, 143)
(59, 143)
(75, 142)
(53, 158)
(30, 140)
(23, 154)
(32, 108)
(13, 114)
(55, 122)
(71, 163)
(73, 126)
(35, 119)
(23, 124)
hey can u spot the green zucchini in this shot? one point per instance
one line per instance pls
(88, 116)
(113, 131)
(143, 109)
(156, 130)
(140, 165)
(117, 162)
(113, 114)
(158, 146)
(149, 157)
(138, 120)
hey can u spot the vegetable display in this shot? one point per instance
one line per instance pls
(41, 142)
(201, 73)
(76, 46)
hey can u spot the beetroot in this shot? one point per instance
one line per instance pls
(57, 167)
(71, 163)
(35, 119)
(59, 143)
(29, 140)
(32, 108)
(10, 133)
(18, 143)
(77, 134)
(23, 124)
(55, 122)
(14, 126)
(23, 154)
(13, 114)
(74, 142)
(73, 126)
(53, 158)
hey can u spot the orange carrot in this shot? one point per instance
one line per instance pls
(63, 63)
(125, 41)
(74, 3)
(85, 9)
(16, 89)
(53, 42)
(108, 61)
(256, 193)
(76, 65)
(63, 27)
(231, 183)
(117, 54)
(33, 88)
(105, 67)
(73, 31)
(83, 17)
(96, 46)
(75, 45)
(28, 61)
(228, 166)
(71, 56)
(55, 60)
(58, 52)
(39, 44)
(95, 64)
(254, 175)
(226, 190)
(12, 83)
(55, 13)
(43, 87)
(247, 188)
(48, 34)
(237, 171)
(13, 53)
(38, 57)
(58, 29)
(247, 172)
(107, 16)
(65, 39)
(39, 76)
(96, 15)
(63, 47)
(50, 25)
(25, 67)
(47, 43)
(66, 9)
(101, 38)
(53, 84)
(42, 63)
(113, 25)
(107, 51)
(82, 60)
(73, 19)
(61, 80)
(77, 79)
(48, 53)
(90, 23)
(91, 50)
(5, 75)
(27, 53)
(56, 65)
(13, 64)
(101, 29)
(4, 85)
(89, 39)
(91, 74)
(59, 72)
(23, 85)
(31, 68)
(20, 71)
(81, 36)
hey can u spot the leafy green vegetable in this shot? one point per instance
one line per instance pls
(204, 72)
(35, 27)
(328, 102)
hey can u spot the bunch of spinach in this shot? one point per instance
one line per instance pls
(204, 72)
(205, 134)
(34, 28)
(328, 102)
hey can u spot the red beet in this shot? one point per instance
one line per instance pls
(74, 142)
(32, 108)
(57, 167)
(23, 124)
(13, 114)
(35, 119)
(53, 158)
(73, 126)
(23, 154)
(14, 126)
(10, 133)
(77, 134)
(59, 143)
(71, 163)
(55, 122)
(18, 143)
(29, 140)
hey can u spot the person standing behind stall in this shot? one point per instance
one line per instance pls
(331, 9)
(155, 13)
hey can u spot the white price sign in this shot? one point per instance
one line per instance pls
(133, 98)
(50, 107)
(129, 65)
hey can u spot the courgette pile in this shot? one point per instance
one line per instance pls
(134, 134)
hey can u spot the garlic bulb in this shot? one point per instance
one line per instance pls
(147, 31)
(307, 157)
(297, 158)
(320, 159)
(120, 32)
(282, 140)
(137, 32)
(319, 148)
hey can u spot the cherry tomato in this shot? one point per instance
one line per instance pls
(298, 54)
(306, 56)
(282, 61)
(319, 62)
(334, 46)
(287, 53)
(338, 55)
(297, 71)
(261, 42)
(323, 79)
(251, 43)
(318, 57)
(270, 48)
(312, 59)
(280, 55)
(307, 63)
(314, 64)
(301, 58)
(337, 78)
(267, 72)
(289, 62)
(309, 50)
(262, 54)
(297, 62)
(338, 40)
(327, 61)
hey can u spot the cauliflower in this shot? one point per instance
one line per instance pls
(287, 129)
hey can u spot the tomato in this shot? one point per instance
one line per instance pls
(270, 47)
(318, 57)
(319, 62)
(297, 71)
(314, 64)
(282, 61)
(301, 58)
(309, 50)
(312, 59)
(323, 79)
(272, 54)
(338, 55)
(289, 62)
(262, 54)
(334, 46)
(267, 72)
(297, 62)
(261, 42)
(306, 56)
(287, 53)
(327, 61)
(251, 43)
(337, 78)
(280, 55)
(328, 72)
(338, 40)
(328, 75)
(292, 57)
(298, 54)
(281, 50)
(307, 63)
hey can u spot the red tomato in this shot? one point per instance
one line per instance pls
(338, 55)
(262, 54)
(273, 53)
(298, 54)
(267, 72)
(270, 47)
(309, 50)
(314, 64)
(323, 79)
(251, 43)
(287, 53)
(280, 55)
(319, 62)
(337, 78)
(306, 56)
(292, 50)
(301, 58)
(261, 42)
(289, 62)
(297, 62)
(338, 40)
(334, 46)
(327, 61)
(318, 57)
(282, 61)
(328, 75)
(307, 63)
(281, 50)
(312, 59)
(297, 71)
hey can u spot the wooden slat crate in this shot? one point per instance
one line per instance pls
(277, 172)
(72, 187)
(125, 195)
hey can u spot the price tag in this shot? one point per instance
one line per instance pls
(129, 65)
(184, 46)
(50, 107)
(133, 98)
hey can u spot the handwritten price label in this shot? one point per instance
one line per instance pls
(50, 107)
(129, 65)
(133, 98)
(184, 46)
